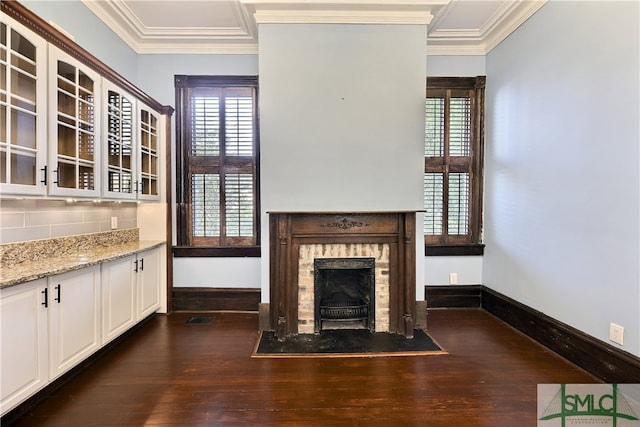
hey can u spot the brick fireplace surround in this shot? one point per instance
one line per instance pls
(296, 238)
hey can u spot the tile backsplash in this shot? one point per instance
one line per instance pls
(33, 219)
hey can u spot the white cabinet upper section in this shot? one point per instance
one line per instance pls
(70, 127)
(119, 142)
(149, 160)
(74, 130)
(23, 67)
(131, 136)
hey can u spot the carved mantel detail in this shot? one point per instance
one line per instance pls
(345, 223)
(289, 230)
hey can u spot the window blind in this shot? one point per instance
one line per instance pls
(221, 197)
(452, 149)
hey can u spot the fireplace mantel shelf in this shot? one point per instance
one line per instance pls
(344, 213)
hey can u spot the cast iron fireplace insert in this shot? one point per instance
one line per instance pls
(344, 293)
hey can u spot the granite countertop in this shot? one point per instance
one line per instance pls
(81, 253)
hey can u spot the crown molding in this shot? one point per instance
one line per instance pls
(242, 39)
(157, 40)
(508, 20)
(117, 16)
(408, 12)
(482, 40)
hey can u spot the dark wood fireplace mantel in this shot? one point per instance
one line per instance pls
(289, 230)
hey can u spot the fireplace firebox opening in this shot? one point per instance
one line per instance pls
(344, 293)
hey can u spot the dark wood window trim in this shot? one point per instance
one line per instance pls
(468, 244)
(212, 252)
(221, 164)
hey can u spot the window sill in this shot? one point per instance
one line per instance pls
(218, 251)
(454, 250)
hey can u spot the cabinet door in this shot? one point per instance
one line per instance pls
(119, 143)
(23, 83)
(149, 137)
(74, 318)
(148, 282)
(118, 280)
(74, 130)
(23, 339)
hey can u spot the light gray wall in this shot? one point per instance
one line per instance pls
(467, 268)
(562, 166)
(89, 32)
(456, 66)
(341, 120)
(156, 72)
(156, 77)
(342, 117)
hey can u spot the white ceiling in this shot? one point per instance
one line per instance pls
(455, 27)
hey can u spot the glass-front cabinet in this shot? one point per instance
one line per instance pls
(149, 129)
(68, 129)
(130, 144)
(74, 130)
(23, 83)
(118, 143)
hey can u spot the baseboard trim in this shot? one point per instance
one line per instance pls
(459, 296)
(215, 299)
(605, 362)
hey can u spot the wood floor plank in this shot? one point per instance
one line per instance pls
(171, 373)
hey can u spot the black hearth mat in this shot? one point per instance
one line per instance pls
(346, 342)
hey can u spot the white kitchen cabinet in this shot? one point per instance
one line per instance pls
(148, 282)
(74, 318)
(119, 143)
(74, 127)
(130, 292)
(50, 325)
(23, 86)
(131, 147)
(149, 167)
(24, 342)
(119, 299)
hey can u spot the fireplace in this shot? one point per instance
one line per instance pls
(344, 293)
(299, 241)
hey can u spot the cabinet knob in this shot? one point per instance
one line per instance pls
(45, 294)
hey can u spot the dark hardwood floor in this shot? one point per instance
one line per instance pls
(172, 373)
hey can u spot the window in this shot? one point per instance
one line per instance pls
(217, 154)
(453, 161)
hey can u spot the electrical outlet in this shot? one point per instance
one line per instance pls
(453, 278)
(616, 333)
(114, 222)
